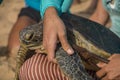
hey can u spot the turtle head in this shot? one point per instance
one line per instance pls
(31, 36)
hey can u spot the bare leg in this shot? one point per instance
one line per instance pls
(76, 2)
(13, 41)
(83, 6)
(92, 6)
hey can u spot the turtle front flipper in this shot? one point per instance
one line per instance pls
(20, 60)
(71, 65)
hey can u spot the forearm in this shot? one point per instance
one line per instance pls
(50, 12)
(99, 18)
(61, 6)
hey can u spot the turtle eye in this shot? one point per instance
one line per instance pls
(29, 36)
(36, 41)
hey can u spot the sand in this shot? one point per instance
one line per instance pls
(9, 10)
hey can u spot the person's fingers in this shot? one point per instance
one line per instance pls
(113, 75)
(101, 64)
(44, 43)
(117, 78)
(44, 38)
(51, 46)
(63, 38)
(113, 56)
(105, 78)
(109, 76)
(101, 73)
(104, 75)
(65, 44)
(51, 51)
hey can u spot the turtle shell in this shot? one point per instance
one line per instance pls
(104, 40)
(94, 32)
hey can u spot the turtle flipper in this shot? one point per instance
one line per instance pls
(71, 65)
(20, 60)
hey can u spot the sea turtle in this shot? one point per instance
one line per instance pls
(83, 35)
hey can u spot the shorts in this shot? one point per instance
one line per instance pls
(31, 13)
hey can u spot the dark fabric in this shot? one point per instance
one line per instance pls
(30, 12)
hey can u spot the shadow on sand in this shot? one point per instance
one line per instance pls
(3, 51)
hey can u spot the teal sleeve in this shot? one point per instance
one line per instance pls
(60, 5)
(66, 5)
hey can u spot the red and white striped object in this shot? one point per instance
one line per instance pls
(39, 68)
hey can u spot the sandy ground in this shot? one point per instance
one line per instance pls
(8, 15)
(9, 10)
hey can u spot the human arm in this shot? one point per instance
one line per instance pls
(54, 28)
(100, 15)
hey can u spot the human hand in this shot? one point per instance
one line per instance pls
(54, 30)
(110, 71)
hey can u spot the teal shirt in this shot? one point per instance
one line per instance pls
(113, 8)
(33, 4)
(41, 5)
